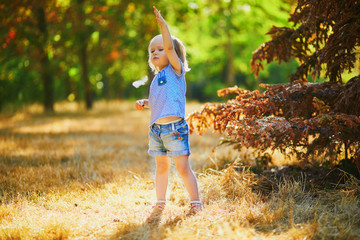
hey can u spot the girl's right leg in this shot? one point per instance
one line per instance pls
(162, 176)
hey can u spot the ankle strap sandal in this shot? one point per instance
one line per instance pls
(160, 204)
(196, 206)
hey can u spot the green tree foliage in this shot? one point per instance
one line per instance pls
(81, 50)
(26, 42)
(220, 37)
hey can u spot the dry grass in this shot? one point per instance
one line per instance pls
(87, 175)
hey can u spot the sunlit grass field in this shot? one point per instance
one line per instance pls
(87, 175)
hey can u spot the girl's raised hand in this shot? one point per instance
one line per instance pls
(159, 18)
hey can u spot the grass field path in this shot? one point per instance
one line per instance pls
(87, 175)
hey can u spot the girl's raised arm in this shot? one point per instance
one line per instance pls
(168, 42)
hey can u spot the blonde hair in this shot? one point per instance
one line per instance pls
(179, 49)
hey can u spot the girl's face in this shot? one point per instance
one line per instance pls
(158, 56)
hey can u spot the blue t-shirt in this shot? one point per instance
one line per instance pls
(167, 94)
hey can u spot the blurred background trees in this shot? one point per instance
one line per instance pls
(84, 50)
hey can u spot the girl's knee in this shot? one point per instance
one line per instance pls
(162, 164)
(183, 166)
(162, 167)
(184, 170)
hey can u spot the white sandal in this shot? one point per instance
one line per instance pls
(160, 205)
(196, 206)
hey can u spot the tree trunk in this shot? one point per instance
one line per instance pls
(358, 61)
(105, 89)
(83, 38)
(230, 70)
(85, 76)
(46, 77)
(68, 88)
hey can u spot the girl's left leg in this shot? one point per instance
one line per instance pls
(183, 167)
(161, 177)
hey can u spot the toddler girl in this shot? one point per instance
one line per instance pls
(169, 133)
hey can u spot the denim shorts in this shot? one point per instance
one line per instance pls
(170, 140)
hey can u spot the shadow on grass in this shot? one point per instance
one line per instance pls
(152, 228)
(56, 151)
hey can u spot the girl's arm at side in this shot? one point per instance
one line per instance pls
(168, 42)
